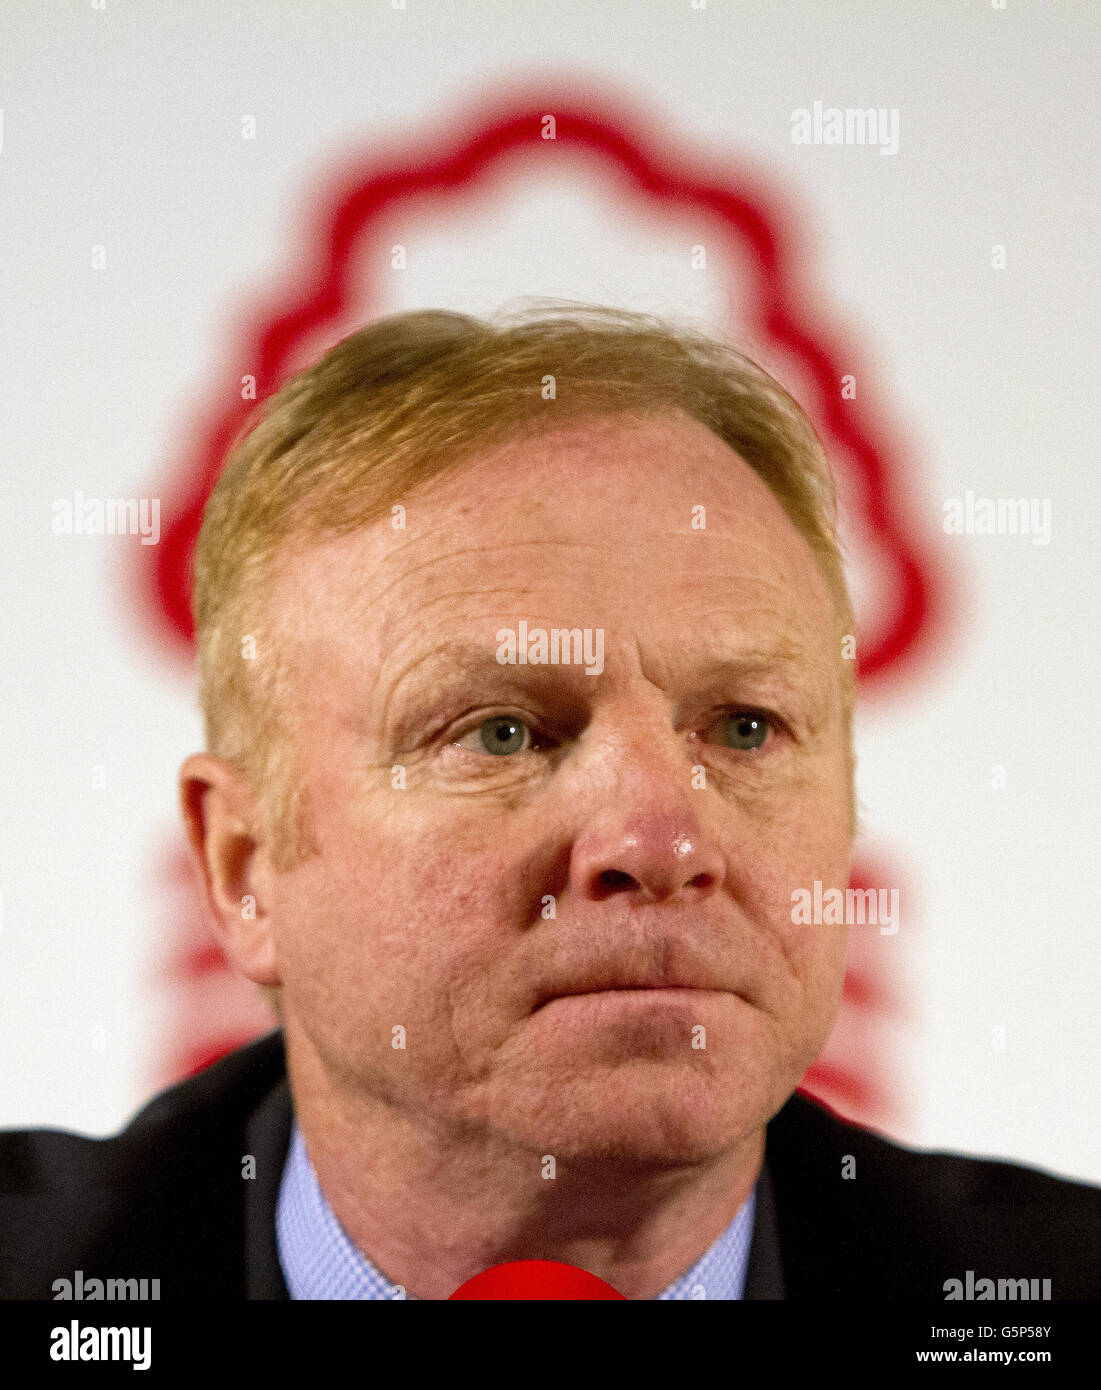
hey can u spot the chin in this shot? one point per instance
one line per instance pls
(636, 1113)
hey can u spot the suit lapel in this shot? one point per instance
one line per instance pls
(267, 1136)
(764, 1276)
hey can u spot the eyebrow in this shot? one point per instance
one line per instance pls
(453, 662)
(785, 669)
(450, 664)
(755, 659)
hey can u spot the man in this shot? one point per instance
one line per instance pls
(522, 651)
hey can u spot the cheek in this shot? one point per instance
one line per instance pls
(389, 910)
(804, 840)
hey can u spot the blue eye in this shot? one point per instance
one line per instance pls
(745, 731)
(502, 734)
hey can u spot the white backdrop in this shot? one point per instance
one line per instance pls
(125, 127)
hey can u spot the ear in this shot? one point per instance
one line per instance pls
(221, 815)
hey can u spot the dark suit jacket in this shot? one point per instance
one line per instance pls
(166, 1199)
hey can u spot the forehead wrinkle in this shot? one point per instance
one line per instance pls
(474, 549)
(762, 547)
(780, 560)
(774, 618)
(765, 581)
(410, 571)
(779, 624)
(390, 635)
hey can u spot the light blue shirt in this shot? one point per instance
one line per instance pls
(320, 1261)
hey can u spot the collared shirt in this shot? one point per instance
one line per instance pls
(320, 1261)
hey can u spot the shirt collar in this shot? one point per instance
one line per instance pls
(320, 1261)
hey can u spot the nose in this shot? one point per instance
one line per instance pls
(642, 835)
(648, 856)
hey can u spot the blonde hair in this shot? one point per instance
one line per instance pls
(408, 398)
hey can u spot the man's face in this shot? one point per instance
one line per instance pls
(493, 836)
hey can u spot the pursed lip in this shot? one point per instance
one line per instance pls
(609, 986)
